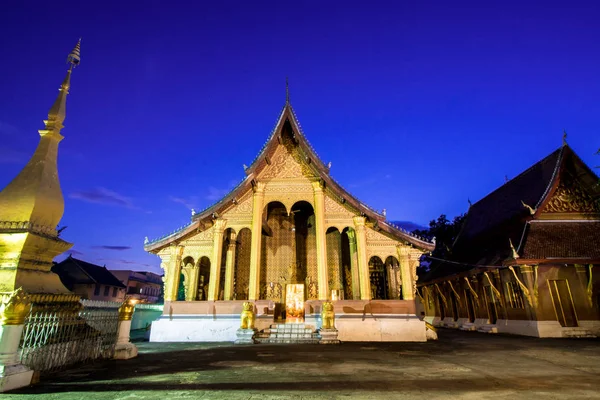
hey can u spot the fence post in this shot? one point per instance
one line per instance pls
(14, 309)
(124, 349)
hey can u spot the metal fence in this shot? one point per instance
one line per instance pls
(59, 335)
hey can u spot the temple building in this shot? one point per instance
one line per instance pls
(288, 238)
(523, 262)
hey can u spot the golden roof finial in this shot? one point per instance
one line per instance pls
(74, 56)
(564, 137)
(34, 195)
(287, 91)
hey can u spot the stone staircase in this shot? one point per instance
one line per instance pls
(488, 329)
(578, 333)
(288, 333)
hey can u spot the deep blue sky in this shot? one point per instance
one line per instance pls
(419, 105)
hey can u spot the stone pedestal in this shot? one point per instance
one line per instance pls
(124, 349)
(12, 374)
(245, 336)
(329, 336)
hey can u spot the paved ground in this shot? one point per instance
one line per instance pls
(461, 365)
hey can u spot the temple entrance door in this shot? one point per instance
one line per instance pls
(294, 302)
(491, 304)
(470, 306)
(563, 303)
(378, 278)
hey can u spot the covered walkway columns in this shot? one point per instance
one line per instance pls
(171, 263)
(230, 264)
(409, 260)
(363, 265)
(215, 265)
(257, 211)
(320, 231)
(354, 264)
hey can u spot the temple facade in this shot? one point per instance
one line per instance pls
(288, 238)
(523, 262)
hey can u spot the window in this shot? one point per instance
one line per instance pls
(514, 295)
(106, 290)
(97, 290)
(115, 292)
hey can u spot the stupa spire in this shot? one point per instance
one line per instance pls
(34, 195)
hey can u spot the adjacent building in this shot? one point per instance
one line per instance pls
(142, 285)
(90, 281)
(288, 238)
(525, 258)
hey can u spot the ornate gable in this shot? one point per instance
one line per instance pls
(286, 163)
(572, 201)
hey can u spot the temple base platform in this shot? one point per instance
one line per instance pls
(355, 321)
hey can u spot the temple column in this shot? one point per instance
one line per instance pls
(354, 264)
(215, 265)
(321, 241)
(171, 263)
(255, 242)
(363, 263)
(406, 271)
(191, 293)
(229, 266)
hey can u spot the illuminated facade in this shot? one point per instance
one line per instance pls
(289, 230)
(524, 260)
(31, 207)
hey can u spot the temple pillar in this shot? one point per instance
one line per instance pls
(255, 242)
(321, 240)
(215, 265)
(229, 266)
(171, 263)
(354, 264)
(191, 276)
(407, 271)
(363, 263)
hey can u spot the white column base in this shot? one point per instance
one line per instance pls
(125, 351)
(14, 376)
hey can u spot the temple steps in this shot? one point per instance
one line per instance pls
(288, 333)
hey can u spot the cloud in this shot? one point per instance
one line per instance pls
(126, 262)
(369, 182)
(12, 156)
(102, 195)
(75, 252)
(188, 202)
(106, 247)
(215, 194)
(8, 129)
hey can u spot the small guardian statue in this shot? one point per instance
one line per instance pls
(245, 335)
(328, 333)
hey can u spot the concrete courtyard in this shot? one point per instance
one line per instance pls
(461, 365)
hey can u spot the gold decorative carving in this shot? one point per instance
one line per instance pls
(127, 308)
(286, 163)
(496, 291)
(454, 291)
(473, 292)
(589, 289)
(14, 308)
(522, 285)
(247, 316)
(441, 295)
(571, 199)
(328, 316)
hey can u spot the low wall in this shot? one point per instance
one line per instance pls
(356, 320)
(144, 315)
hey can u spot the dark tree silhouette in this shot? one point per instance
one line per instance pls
(445, 233)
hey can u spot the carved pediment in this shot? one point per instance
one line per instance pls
(571, 199)
(286, 163)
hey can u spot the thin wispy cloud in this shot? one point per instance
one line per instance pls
(189, 202)
(75, 253)
(12, 156)
(107, 247)
(8, 129)
(369, 182)
(121, 261)
(215, 194)
(102, 195)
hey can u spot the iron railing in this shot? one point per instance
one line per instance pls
(58, 336)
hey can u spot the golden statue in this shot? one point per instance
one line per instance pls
(247, 316)
(328, 316)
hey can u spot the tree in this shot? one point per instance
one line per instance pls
(445, 233)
